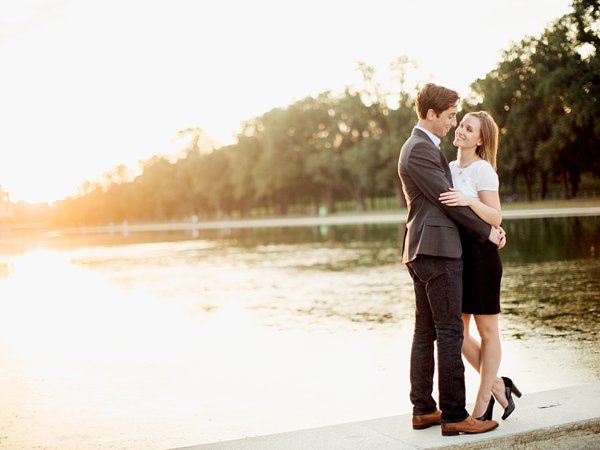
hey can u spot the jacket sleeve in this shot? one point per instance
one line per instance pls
(428, 174)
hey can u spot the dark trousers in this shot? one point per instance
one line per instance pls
(438, 293)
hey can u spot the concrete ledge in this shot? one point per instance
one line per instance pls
(580, 435)
(372, 218)
(566, 418)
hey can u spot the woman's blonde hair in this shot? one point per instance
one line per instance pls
(488, 150)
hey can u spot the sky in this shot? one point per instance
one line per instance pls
(87, 85)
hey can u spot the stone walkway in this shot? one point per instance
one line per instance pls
(565, 418)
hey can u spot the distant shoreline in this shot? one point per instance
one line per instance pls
(375, 218)
(349, 218)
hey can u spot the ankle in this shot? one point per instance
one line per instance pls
(499, 391)
(485, 396)
(483, 399)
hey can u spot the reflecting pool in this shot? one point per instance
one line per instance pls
(167, 339)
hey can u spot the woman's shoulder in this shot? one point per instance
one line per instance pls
(485, 174)
(483, 165)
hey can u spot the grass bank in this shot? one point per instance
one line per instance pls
(518, 205)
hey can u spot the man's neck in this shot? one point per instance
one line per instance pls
(435, 139)
(425, 125)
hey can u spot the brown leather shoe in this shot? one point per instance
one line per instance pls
(426, 420)
(468, 426)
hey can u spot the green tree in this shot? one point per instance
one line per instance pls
(544, 95)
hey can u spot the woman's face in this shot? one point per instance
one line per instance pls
(468, 133)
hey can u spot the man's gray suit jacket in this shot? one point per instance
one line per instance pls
(431, 227)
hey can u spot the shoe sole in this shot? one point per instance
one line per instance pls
(456, 433)
(423, 427)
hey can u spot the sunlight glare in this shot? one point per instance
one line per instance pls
(69, 316)
(82, 116)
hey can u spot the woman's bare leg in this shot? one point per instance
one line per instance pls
(489, 362)
(472, 352)
(471, 348)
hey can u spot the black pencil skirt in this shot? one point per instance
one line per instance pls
(482, 273)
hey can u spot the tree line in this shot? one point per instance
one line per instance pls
(333, 148)
(545, 95)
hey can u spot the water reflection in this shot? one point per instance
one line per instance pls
(556, 299)
(530, 240)
(308, 277)
(551, 270)
(552, 239)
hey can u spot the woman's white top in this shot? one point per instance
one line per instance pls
(477, 176)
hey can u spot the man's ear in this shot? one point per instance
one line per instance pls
(431, 115)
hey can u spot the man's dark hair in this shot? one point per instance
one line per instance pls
(438, 98)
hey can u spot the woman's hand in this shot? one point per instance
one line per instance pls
(498, 236)
(454, 197)
(502, 242)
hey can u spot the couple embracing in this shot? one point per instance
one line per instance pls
(451, 247)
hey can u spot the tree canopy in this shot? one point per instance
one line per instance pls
(326, 150)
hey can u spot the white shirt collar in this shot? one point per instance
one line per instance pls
(436, 140)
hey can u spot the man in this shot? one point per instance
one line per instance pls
(432, 252)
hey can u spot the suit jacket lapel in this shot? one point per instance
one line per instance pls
(443, 160)
(446, 166)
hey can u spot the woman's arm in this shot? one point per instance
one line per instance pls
(422, 172)
(487, 207)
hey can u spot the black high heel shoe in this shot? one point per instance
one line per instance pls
(489, 412)
(509, 388)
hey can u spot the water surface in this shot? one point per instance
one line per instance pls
(160, 340)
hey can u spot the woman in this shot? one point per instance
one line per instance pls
(476, 186)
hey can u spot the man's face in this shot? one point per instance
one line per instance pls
(442, 124)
